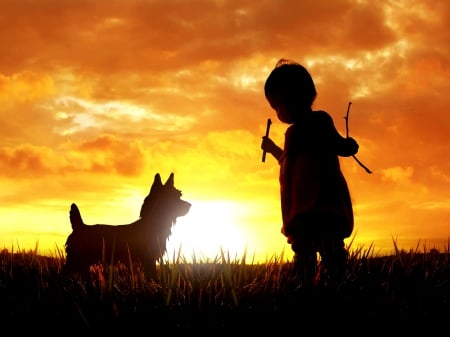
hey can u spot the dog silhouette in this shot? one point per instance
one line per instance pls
(140, 242)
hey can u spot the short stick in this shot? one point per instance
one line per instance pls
(269, 122)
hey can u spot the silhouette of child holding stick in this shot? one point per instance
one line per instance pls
(316, 207)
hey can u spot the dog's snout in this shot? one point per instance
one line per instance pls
(187, 206)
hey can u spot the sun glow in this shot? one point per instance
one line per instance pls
(208, 228)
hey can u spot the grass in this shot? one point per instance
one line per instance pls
(408, 289)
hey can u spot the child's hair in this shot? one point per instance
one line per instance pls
(292, 82)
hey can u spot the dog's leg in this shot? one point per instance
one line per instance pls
(150, 269)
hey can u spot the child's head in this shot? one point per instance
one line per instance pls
(291, 85)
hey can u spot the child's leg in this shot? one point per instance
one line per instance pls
(334, 258)
(305, 260)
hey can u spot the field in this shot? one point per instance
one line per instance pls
(408, 291)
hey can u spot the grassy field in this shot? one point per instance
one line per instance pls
(406, 291)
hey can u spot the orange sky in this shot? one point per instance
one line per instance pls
(98, 96)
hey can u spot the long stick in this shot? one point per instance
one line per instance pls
(269, 122)
(346, 118)
(346, 128)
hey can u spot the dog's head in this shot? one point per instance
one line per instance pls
(164, 200)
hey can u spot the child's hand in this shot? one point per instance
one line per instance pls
(267, 144)
(349, 147)
(353, 145)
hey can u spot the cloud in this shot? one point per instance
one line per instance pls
(398, 174)
(25, 86)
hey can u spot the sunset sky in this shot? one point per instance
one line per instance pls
(96, 97)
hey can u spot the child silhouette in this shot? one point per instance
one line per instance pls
(316, 208)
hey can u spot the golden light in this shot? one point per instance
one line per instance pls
(208, 228)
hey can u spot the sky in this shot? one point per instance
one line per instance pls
(96, 97)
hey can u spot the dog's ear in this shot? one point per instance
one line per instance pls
(169, 181)
(157, 183)
(157, 180)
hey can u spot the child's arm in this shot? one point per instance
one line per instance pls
(344, 147)
(270, 147)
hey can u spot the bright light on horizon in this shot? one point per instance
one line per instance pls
(208, 228)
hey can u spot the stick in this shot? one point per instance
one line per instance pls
(269, 122)
(346, 117)
(346, 128)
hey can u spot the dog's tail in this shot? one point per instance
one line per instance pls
(75, 217)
